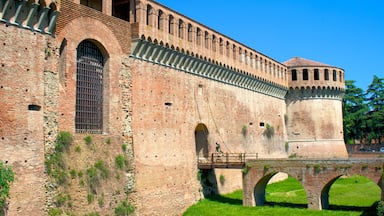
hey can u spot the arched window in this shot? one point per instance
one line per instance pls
(214, 43)
(198, 36)
(160, 20)
(181, 29)
(206, 39)
(190, 32)
(89, 89)
(170, 25)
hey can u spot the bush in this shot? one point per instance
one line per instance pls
(124, 147)
(124, 208)
(63, 141)
(7, 176)
(88, 140)
(269, 131)
(121, 161)
(55, 212)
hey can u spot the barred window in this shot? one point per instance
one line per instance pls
(89, 89)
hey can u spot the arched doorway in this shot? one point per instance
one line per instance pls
(201, 141)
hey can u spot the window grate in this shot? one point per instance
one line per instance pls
(89, 89)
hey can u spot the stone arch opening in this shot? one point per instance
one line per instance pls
(289, 186)
(90, 84)
(330, 199)
(201, 141)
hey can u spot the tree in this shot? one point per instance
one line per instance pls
(6, 178)
(375, 102)
(353, 112)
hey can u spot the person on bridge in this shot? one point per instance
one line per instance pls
(218, 149)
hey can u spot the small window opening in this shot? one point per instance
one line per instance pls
(34, 107)
(262, 124)
(326, 74)
(305, 74)
(316, 74)
(334, 75)
(294, 75)
(168, 103)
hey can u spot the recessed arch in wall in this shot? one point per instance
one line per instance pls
(201, 141)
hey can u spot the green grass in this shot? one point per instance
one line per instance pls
(348, 196)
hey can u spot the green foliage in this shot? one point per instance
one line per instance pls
(244, 130)
(108, 141)
(124, 208)
(63, 141)
(124, 147)
(95, 174)
(121, 161)
(100, 201)
(90, 198)
(7, 176)
(78, 149)
(286, 147)
(55, 212)
(72, 173)
(363, 112)
(222, 179)
(294, 155)
(199, 174)
(92, 214)
(266, 167)
(61, 199)
(316, 168)
(380, 208)
(269, 131)
(56, 167)
(88, 139)
(55, 163)
(288, 197)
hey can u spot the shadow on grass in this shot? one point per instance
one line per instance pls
(365, 211)
(222, 199)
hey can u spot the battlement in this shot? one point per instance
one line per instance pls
(165, 26)
(38, 16)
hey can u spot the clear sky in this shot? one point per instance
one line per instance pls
(344, 33)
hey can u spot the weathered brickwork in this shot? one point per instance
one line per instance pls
(171, 89)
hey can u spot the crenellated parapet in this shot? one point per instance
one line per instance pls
(310, 79)
(163, 24)
(168, 56)
(36, 16)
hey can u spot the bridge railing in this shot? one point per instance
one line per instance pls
(225, 160)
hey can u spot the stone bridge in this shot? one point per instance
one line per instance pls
(315, 175)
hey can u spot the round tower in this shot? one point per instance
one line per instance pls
(314, 116)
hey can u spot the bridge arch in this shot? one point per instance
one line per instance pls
(261, 185)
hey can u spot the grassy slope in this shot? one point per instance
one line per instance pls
(348, 196)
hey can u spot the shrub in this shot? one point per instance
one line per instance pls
(72, 173)
(100, 201)
(63, 141)
(55, 212)
(124, 147)
(77, 149)
(244, 130)
(222, 179)
(380, 208)
(121, 161)
(269, 131)
(124, 208)
(7, 176)
(90, 198)
(88, 140)
(316, 168)
(108, 141)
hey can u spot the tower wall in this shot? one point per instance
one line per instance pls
(314, 110)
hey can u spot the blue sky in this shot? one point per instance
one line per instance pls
(345, 33)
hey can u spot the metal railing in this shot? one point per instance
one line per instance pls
(225, 160)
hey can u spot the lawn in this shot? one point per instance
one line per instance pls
(355, 195)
